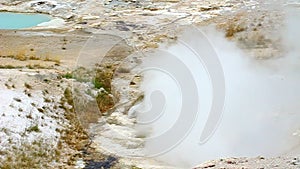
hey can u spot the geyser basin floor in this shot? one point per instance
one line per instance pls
(9, 20)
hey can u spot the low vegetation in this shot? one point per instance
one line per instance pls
(9, 67)
(233, 25)
(34, 128)
(68, 75)
(27, 55)
(75, 136)
(101, 78)
(28, 86)
(35, 155)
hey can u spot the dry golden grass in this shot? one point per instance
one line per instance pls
(38, 154)
(75, 136)
(34, 57)
(105, 101)
(9, 67)
(55, 59)
(24, 55)
(232, 29)
(21, 55)
(37, 66)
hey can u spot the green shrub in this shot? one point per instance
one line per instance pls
(34, 128)
(68, 76)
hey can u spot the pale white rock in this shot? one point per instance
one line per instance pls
(78, 27)
(90, 17)
(54, 23)
(79, 164)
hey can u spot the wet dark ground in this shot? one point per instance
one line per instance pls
(105, 164)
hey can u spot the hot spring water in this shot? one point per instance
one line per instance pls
(9, 20)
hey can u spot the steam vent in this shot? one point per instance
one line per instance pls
(149, 84)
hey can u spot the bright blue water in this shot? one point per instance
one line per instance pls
(9, 20)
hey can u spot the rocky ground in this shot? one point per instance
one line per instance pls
(54, 95)
(247, 163)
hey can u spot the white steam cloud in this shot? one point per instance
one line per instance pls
(262, 108)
